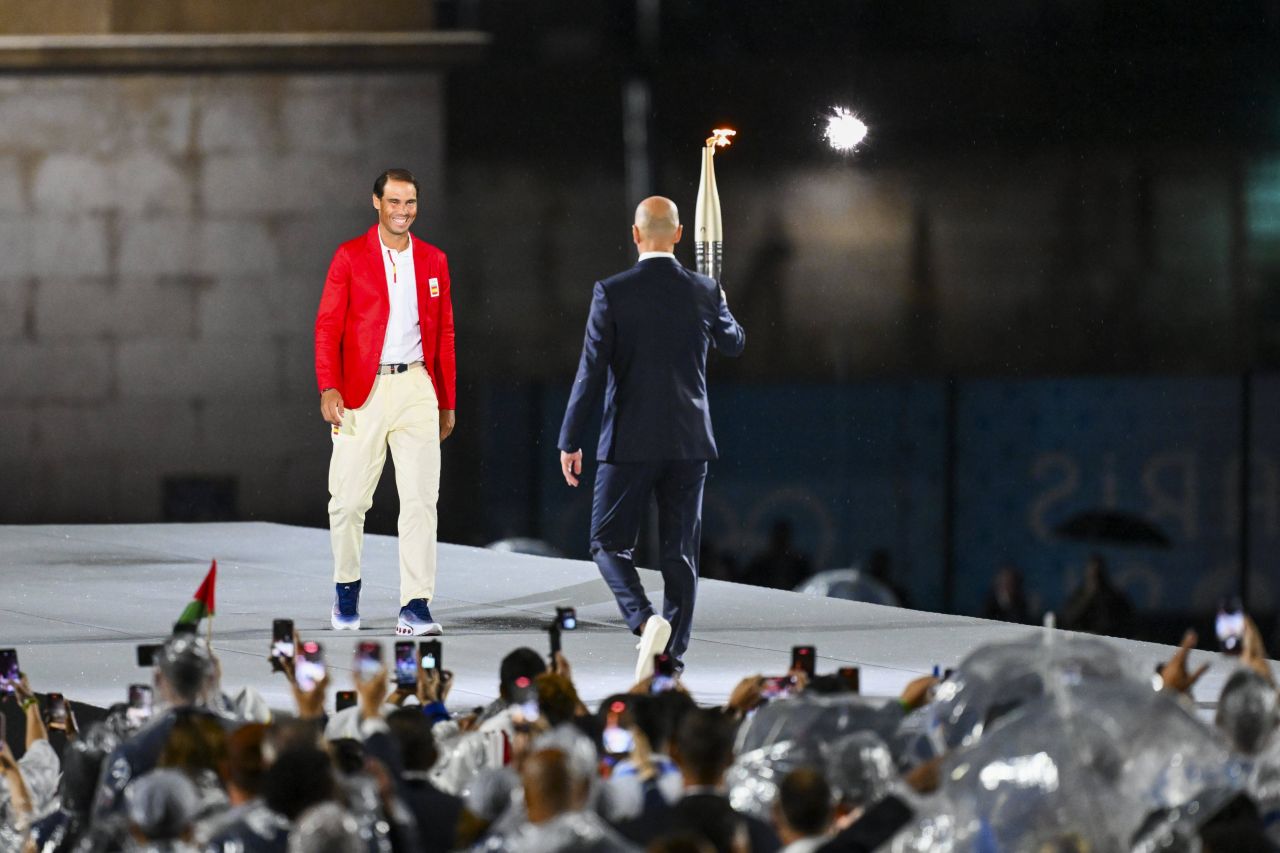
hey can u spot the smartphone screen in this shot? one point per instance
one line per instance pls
(9, 674)
(406, 664)
(140, 704)
(567, 618)
(368, 658)
(56, 710)
(282, 638)
(345, 699)
(147, 654)
(777, 686)
(524, 699)
(431, 653)
(1230, 630)
(618, 741)
(804, 659)
(308, 667)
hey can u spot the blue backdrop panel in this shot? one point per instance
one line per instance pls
(1033, 453)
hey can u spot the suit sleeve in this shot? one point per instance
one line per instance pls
(330, 321)
(729, 337)
(444, 372)
(593, 367)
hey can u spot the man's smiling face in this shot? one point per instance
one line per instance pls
(397, 208)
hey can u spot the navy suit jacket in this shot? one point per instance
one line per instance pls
(646, 347)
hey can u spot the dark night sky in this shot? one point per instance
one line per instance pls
(996, 76)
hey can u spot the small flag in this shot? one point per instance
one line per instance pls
(202, 605)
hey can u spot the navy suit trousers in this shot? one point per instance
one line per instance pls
(621, 494)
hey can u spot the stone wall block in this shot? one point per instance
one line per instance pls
(11, 193)
(237, 115)
(299, 185)
(75, 116)
(55, 370)
(150, 182)
(131, 307)
(225, 373)
(157, 247)
(79, 250)
(236, 247)
(237, 309)
(15, 296)
(321, 120)
(72, 183)
(16, 256)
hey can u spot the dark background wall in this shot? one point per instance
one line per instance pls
(1072, 209)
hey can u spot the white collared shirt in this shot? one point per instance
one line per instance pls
(403, 343)
(644, 256)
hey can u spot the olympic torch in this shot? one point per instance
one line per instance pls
(708, 240)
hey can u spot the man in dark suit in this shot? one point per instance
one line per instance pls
(646, 347)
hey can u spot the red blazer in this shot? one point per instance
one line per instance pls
(351, 325)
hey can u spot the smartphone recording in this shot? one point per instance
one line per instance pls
(9, 672)
(406, 664)
(308, 668)
(282, 639)
(431, 654)
(141, 704)
(368, 662)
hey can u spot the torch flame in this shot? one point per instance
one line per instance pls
(720, 138)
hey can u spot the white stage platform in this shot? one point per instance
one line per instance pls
(76, 600)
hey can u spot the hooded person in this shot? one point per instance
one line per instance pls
(1247, 711)
(184, 675)
(557, 788)
(82, 761)
(161, 808)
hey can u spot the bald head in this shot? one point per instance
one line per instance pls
(657, 226)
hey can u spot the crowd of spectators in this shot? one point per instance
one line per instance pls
(1047, 744)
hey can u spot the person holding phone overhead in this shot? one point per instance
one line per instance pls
(387, 374)
(645, 348)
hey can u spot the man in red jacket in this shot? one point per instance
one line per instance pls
(386, 370)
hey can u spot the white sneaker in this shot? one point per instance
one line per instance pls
(652, 642)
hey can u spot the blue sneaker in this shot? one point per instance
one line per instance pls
(346, 607)
(415, 620)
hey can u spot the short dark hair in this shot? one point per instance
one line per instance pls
(395, 175)
(804, 798)
(300, 778)
(524, 662)
(704, 744)
(412, 732)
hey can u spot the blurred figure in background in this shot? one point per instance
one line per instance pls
(780, 565)
(1097, 606)
(1007, 599)
(880, 567)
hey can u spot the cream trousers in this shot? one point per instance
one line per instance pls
(401, 413)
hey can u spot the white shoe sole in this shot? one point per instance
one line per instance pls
(343, 626)
(431, 629)
(652, 642)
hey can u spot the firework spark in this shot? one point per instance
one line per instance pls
(845, 131)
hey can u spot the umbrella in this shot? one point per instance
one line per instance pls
(1079, 770)
(1112, 527)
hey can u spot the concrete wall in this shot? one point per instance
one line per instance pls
(163, 242)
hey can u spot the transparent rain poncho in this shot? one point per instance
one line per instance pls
(997, 678)
(850, 585)
(800, 731)
(1077, 769)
